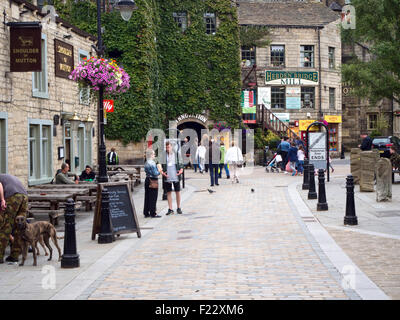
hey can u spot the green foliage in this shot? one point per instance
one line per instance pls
(378, 27)
(254, 36)
(269, 139)
(171, 72)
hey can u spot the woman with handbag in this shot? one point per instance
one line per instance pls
(234, 158)
(150, 186)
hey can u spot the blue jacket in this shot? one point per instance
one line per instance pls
(284, 146)
(151, 169)
(292, 154)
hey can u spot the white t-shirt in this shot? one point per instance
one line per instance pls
(300, 155)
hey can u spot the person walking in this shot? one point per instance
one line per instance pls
(150, 185)
(366, 144)
(195, 159)
(283, 149)
(172, 170)
(292, 158)
(222, 163)
(112, 157)
(213, 161)
(300, 160)
(14, 202)
(234, 158)
(201, 156)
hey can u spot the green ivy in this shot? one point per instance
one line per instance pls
(171, 72)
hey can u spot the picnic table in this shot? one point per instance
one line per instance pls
(54, 199)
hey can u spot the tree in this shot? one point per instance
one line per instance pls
(378, 26)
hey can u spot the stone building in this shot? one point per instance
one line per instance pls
(297, 76)
(36, 133)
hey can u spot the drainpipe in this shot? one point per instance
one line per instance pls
(320, 76)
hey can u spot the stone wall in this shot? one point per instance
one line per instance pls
(18, 103)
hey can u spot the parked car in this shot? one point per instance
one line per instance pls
(384, 144)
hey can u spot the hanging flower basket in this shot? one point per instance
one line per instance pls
(97, 72)
(221, 125)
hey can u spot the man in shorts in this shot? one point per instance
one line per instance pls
(172, 171)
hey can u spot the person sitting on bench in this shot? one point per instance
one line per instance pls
(87, 174)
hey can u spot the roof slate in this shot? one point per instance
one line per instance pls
(285, 13)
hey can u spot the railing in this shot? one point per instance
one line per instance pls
(271, 122)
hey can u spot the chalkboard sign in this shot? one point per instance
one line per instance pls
(123, 217)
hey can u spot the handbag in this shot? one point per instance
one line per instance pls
(153, 184)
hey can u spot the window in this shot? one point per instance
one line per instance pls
(331, 54)
(248, 55)
(332, 98)
(181, 20)
(210, 21)
(307, 56)
(372, 121)
(40, 151)
(278, 56)
(84, 93)
(39, 79)
(278, 97)
(3, 142)
(307, 97)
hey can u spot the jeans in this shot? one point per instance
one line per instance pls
(300, 164)
(225, 166)
(150, 199)
(213, 173)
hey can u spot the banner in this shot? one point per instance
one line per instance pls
(25, 48)
(264, 96)
(293, 97)
(248, 101)
(108, 105)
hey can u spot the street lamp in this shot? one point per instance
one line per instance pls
(106, 236)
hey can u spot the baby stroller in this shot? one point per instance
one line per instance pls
(274, 163)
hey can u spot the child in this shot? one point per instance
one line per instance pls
(300, 160)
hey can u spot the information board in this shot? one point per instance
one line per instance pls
(317, 150)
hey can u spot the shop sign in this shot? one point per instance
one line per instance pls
(191, 116)
(293, 98)
(303, 125)
(64, 58)
(108, 105)
(264, 96)
(291, 78)
(333, 119)
(25, 48)
(284, 117)
(248, 101)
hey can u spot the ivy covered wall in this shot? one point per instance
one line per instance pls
(172, 72)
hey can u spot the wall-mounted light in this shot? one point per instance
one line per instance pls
(75, 121)
(67, 36)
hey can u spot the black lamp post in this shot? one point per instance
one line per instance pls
(126, 8)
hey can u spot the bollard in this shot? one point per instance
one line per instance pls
(321, 205)
(164, 195)
(306, 178)
(350, 217)
(105, 235)
(70, 258)
(312, 194)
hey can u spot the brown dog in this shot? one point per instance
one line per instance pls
(31, 233)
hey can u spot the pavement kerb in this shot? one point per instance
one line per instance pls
(352, 276)
(82, 282)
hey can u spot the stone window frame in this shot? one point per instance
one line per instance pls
(283, 62)
(3, 142)
(332, 98)
(331, 57)
(211, 27)
(83, 53)
(281, 100)
(369, 121)
(40, 161)
(303, 52)
(307, 90)
(250, 52)
(37, 93)
(181, 19)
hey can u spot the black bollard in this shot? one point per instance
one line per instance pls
(105, 235)
(350, 217)
(70, 258)
(342, 153)
(321, 205)
(164, 195)
(312, 194)
(306, 178)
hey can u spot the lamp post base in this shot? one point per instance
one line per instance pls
(350, 220)
(70, 261)
(322, 206)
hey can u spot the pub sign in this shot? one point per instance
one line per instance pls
(64, 56)
(25, 48)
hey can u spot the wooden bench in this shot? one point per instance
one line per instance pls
(53, 214)
(89, 201)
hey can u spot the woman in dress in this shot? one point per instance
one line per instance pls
(150, 186)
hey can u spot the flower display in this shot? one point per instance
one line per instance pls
(97, 72)
(221, 125)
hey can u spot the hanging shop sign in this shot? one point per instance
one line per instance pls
(293, 97)
(25, 47)
(303, 125)
(333, 119)
(248, 101)
(64, 58)
(294, 78)
(108, 105)
(264, 96)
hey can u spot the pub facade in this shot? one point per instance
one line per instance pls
(45, 119)
(297, 76)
